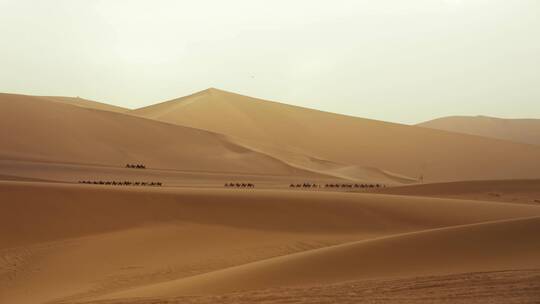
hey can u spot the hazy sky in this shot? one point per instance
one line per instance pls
(395, 60)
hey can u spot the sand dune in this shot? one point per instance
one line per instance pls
(511, 191)
(81, 242)
(88, 209)
(517, 130)
(404, 150)
(85, 103)
(480, 247)
(32, 128)
(266, 138)
(97, 137)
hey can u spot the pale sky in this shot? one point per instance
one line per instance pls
(396, 60)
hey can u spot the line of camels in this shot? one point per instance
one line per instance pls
(309, 185)
(135, 166)
(124, 183)
(239, 185)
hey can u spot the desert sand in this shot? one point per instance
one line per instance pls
(98, 242)
(467, 234)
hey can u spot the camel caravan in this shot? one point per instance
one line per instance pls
(135, 166)
(124, 183)
(239, 185)
(336, 186)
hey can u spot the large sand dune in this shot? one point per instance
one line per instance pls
(33, 128)
(75, 242)
(262, 137)
(516, 130)
(408, 151)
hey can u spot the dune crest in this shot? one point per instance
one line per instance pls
(85, 103)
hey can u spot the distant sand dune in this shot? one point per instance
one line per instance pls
(517, 130)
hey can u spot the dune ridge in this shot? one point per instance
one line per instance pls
(86, 103)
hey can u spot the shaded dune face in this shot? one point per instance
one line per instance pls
(408, 151)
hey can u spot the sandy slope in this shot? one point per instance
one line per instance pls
(512, 191)
(88, 209)
(502, 245)
(32, 128)
(85, 103)
(74, 242)
(406, 150)
(464, 288)
(517, 130)
(42, 129)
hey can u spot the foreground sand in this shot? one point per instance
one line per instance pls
(73, 243)
(507, 287)
(510, 191)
